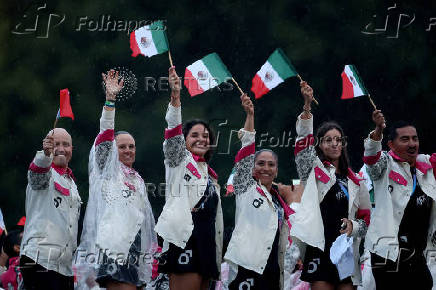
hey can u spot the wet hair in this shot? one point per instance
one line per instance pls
(191, 123)
(320, 132)
(12, 239)
(392, 132)
(266, 150)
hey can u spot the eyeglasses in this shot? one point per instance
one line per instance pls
(334, 141)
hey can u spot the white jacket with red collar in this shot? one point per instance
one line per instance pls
(52, 212)
(186, 180)
(393, 184)
(319, 177)
(255, 217)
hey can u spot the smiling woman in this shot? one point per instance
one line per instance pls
(191, 222)
(119, 221)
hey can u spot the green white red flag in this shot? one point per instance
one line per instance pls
(149, 40)
(205, 74)
(275, 70)
(352, 84)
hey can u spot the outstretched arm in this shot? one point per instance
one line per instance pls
(304, 150)
(39, 170)
(174, 146)
(104, 140)
(244, 160)
(374, 158)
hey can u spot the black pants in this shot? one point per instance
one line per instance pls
(36, 277)
(410, 273)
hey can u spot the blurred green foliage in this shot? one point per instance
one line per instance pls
(319, 37)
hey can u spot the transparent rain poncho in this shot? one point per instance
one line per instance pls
(118, 208)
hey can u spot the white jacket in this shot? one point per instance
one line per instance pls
(186, 180)
(118, 208)
(52, 212)
(319, 177)
(256, 221)
(392, 187)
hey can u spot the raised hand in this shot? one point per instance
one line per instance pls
(113, 84)
(175, 85)
(347, 228)
(307, 93)
(48, 145)
(380, 124)
(291, 193)
(247, 104)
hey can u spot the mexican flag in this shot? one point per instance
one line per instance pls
(352, 85)
(149, 40)
(205, 74)
(275, 70)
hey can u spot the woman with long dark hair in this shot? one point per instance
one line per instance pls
(335, 201)
(191, 221)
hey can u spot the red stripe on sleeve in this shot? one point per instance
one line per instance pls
(370, 160)
(34, 168)
(244, 152)
(170, 133)
(107, 135)
(303, 143)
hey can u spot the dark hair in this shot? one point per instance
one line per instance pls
(320, 132)
(122, 132)
(13, 238)
(267, 150)
(392, 132)
(191, 123)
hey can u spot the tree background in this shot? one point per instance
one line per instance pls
(319, 37)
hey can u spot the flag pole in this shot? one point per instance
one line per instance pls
(55, 123)
(169, 57)
(301, 80)
(372, 102)
(242, 92)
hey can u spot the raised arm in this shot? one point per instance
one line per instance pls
(304, 150)
(374, 158)
(104, 141)
(244, 160)
(39, 173)
(174, 146)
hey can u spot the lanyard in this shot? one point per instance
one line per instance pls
(414, 184)
(344, 189)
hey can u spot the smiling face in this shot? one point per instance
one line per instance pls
(406, 144)
(126, 149)
(265, 168)
(63, 147)
(331, 145)
(198, 140)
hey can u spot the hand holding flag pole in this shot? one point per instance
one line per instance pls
(313, 98)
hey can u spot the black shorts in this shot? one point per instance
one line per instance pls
(410, 273)
(247, 279)
(110, 271)
(36, 277)
(189, 260)
(317, 266)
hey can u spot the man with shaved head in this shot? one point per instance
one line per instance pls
(52, 211)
